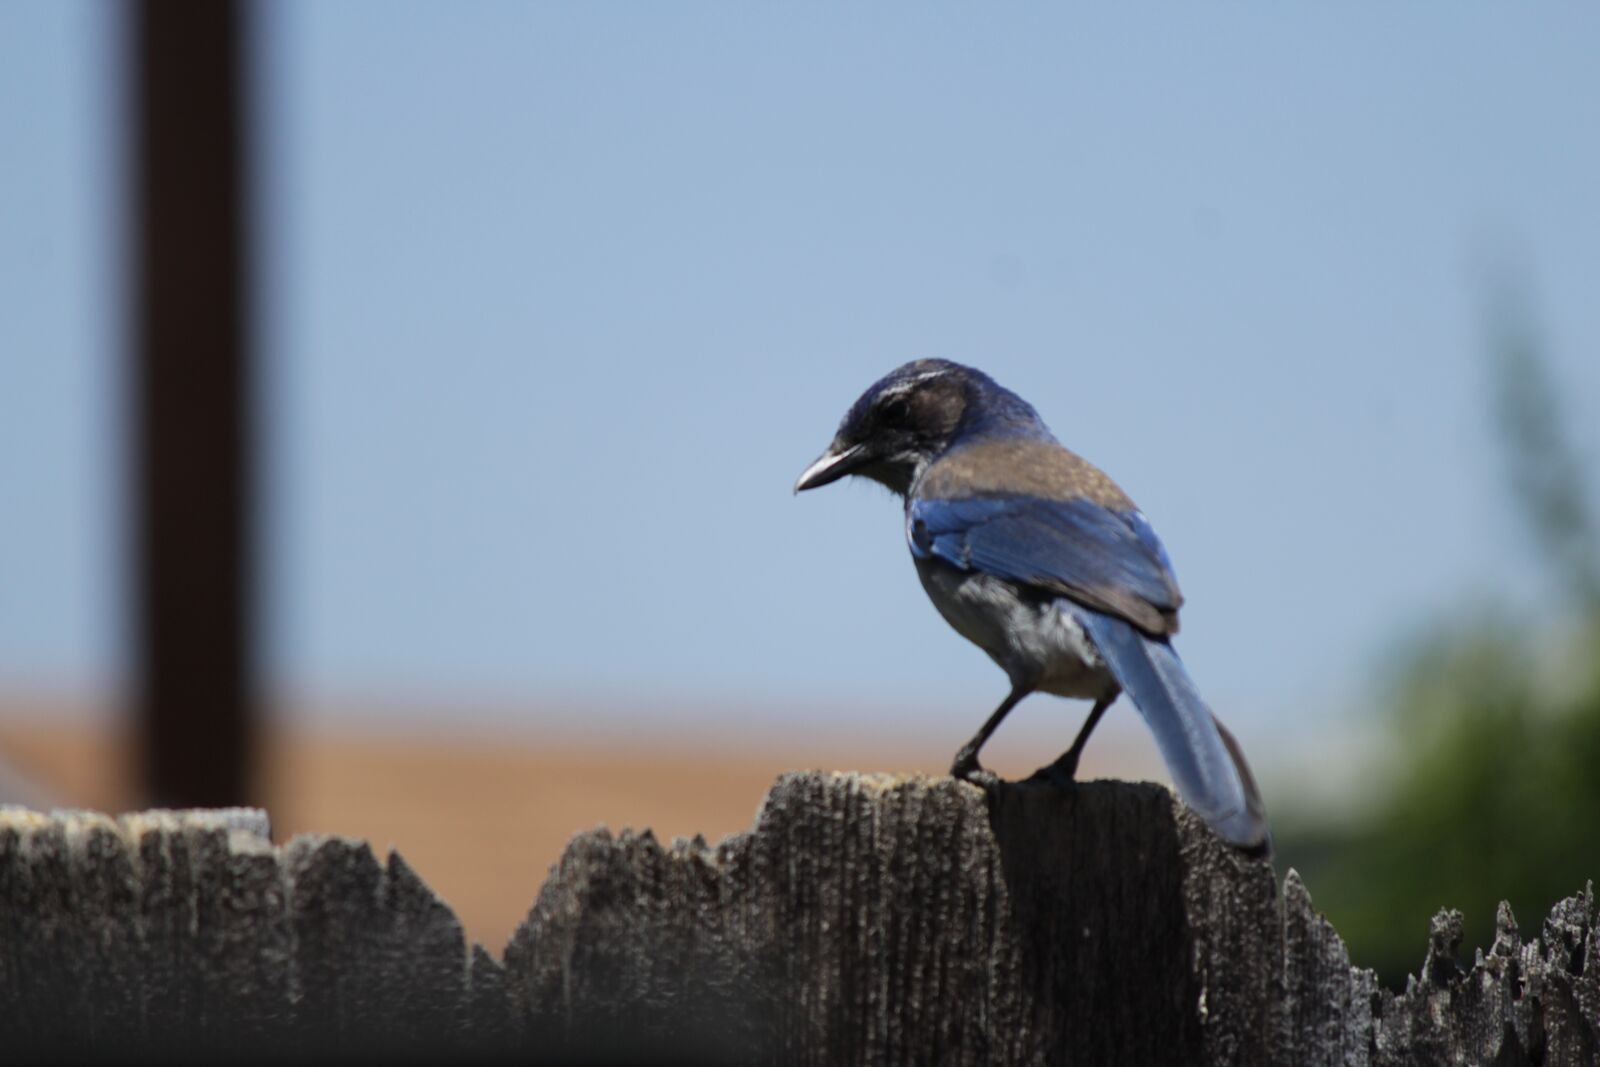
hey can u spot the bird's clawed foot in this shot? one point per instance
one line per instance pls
(966, 769)
(982, 778)
(1061, 774)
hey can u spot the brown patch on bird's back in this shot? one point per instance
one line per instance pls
(1026, 468)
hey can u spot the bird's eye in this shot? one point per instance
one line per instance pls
(895, 412)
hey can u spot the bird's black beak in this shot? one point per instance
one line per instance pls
(838, 461)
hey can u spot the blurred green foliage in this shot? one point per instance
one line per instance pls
(1492, 784)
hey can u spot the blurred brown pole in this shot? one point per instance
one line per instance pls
(190, 386)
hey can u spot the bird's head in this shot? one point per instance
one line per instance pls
(911, 416)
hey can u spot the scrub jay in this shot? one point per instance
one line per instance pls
(1035, 556)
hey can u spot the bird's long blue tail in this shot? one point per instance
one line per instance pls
(1210, 773)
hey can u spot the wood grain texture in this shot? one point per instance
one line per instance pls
(864, 919)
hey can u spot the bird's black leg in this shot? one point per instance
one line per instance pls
(1065, 768)
(966, 765)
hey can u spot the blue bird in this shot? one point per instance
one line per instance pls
(1037, 557)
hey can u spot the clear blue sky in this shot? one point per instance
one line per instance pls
(562, 297)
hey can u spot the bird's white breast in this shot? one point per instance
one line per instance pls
(1036, 642)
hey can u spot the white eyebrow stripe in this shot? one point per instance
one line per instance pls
(908, 384)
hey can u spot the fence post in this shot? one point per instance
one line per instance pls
(865, 918)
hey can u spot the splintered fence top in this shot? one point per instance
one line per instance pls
(865, 919)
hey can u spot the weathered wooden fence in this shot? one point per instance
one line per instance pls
(865, 919)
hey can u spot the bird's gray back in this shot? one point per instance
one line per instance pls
(1019, 466)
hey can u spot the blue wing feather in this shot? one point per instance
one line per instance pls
(1107, 559)
(1147, 536)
